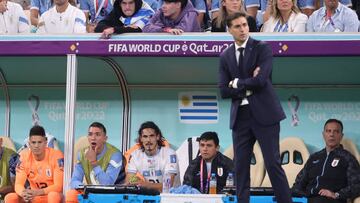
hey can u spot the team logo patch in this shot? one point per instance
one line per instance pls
(48, 172)
(220, 171)
(335, 162)
(173, 158)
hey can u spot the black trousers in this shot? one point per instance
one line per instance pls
(245, 132)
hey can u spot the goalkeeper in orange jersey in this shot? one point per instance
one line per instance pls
(42, 167)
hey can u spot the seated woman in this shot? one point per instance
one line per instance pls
(126, 16)
(227, 8)
(286, 17)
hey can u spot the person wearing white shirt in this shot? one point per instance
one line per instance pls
(12, 18)
(62, 18)
(286, 17)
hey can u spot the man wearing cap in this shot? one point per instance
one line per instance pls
(174, 17)
(43, 167)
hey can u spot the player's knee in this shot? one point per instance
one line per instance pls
(12, 198)
(72, 196)
(54, 197)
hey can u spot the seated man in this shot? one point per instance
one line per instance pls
(8, 161)
(175, 17)
(153, 160)
(62, 18)
(100, 163)
(126, 16)
(197, 174)
(13, 19)
(333, 17)
(331, 175)
(43, 167)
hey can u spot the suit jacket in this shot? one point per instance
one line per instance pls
(264, 103)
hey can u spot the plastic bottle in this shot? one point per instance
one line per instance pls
(230, 180)
(166, 184)
(212, 184)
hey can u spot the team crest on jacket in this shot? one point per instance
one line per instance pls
(220, 171)
(335, 162)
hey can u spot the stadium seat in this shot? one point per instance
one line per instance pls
(257, 168)
(80, 143)
(349, 145)
(187, 151)
(8, 143)
(293, 154)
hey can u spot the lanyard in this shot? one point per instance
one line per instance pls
(281, 28)
(104, 4)
(202, 179)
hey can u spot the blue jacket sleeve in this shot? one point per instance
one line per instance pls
(109, 176)
(78, 175)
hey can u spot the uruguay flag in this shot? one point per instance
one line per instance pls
(198, 107)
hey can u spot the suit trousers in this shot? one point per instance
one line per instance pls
(244, 133)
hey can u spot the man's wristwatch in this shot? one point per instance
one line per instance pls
(337, 195)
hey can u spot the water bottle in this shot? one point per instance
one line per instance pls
(212, 188)
(230, 180)
(166, 184)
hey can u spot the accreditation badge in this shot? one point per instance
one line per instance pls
(335, 162)
(220, 171)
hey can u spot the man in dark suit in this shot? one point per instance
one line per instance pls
(255, 109)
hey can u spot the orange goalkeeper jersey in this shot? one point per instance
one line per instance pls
(46, 174)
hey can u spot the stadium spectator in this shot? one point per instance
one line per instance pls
(229, 7)
(331, 175)
(100, 163)
(12, 18)
(8, 161)
(153, 160)
(356, 7)
(312, 5)
(126, 16)
(175, 17)
(333, 17)
(286, 17)
(38, 7)
(95, 11)
(210, 161)
(43, 168)
(62, 18)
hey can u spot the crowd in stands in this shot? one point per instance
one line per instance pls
(175, 16)
(36, 174)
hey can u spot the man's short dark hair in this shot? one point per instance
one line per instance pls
(183, 2)
(333, 120)
(234, 16)
(210, 136)
(37, 130)
(151, 125)
(98, 125)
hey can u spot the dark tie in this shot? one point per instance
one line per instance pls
(241, 58)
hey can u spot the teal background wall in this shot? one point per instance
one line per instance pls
(324, 90)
